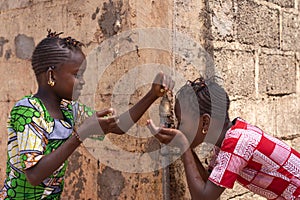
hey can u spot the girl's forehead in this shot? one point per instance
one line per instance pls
(181, 105)
(180, 109)
(183, 109)
(77, 62)
(77, 56)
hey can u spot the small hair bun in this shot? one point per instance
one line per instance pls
(72, 42)
(199, 82)
(53, 34)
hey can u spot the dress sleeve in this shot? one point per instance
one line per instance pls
(30, 139)
(81, 112)
(228, 163)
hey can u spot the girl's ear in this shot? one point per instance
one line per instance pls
(50, 77)
(50, 72)
(205, 123)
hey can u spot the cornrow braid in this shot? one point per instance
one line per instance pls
(53, 51)
(205, 97)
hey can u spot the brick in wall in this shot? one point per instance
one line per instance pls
(277, 74)
(222, 20)
(237, 69)
(290, 32)
(257, 24)
(284, 3)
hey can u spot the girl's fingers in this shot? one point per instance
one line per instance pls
(158, 78)
(161, 138)
(110, 119)
(169, 82)
(113, 125)
(153, 129)
(105, 112)
(172, 84)
(165, 82)
(164, 135)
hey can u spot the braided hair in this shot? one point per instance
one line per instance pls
(53, 51)
(205, 97)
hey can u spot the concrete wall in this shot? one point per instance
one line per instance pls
(254, 45)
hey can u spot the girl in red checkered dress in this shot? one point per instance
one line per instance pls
(244, 153)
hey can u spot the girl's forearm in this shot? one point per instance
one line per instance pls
(203, 172)
(194, 178)
(130, 117)
(200, 188)
(51, 162)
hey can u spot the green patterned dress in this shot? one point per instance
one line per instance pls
(32, 134)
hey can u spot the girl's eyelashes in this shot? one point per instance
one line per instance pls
(78, 75)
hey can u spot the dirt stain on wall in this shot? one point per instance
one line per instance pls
(110, 21)
(76, 173)
(3, 41)
(111, 183)
(24, 46)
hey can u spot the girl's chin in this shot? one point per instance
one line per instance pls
(76, 95)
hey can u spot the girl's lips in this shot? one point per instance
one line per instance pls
(78, 89)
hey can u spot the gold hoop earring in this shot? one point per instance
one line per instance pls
(51, 83)
(204, 131)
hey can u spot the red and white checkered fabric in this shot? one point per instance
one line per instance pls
(259, 162)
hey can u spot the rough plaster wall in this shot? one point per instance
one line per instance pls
(254, 43)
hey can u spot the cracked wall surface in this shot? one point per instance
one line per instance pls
(254, 45)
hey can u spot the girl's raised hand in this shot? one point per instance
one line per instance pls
(161, 84)
(170, 136)
(100, 123)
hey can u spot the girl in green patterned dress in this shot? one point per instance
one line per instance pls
(41, 128)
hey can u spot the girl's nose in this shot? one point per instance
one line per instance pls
(82, 81)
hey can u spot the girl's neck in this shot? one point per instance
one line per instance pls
(51, 102)
(226, 127)
(47, 98)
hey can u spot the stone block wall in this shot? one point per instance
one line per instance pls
(256, 50)
(254, 45)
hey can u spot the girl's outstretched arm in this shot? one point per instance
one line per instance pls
(161, 84)
(48, 164)
(199, 186)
